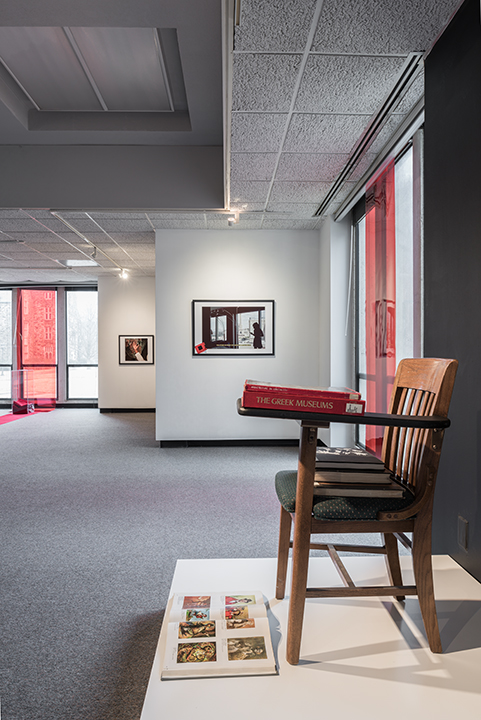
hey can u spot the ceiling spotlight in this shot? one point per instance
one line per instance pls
(233, 219)
(124, 274)
(93, 254)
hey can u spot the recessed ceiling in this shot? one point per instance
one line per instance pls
(307, 78)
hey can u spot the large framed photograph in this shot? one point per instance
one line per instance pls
(136, 350)
(239, 327)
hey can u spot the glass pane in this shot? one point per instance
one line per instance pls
(42, 382)
(38, 327)
(82, 329)
(5, 383)
(6, 328)
(404, 257)
(82, 383)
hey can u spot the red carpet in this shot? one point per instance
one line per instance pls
(10, 416)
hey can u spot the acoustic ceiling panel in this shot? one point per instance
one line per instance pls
(324, 133)
(301, 192)
(253, 132)
(295, 209)
(275, 25)
(249, 191)
(253, 166)
(264, 82)
(181, 221)
(271, 223)
(341, 84)
(308, 166)
(381, 28)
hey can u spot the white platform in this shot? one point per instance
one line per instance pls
(364, 658)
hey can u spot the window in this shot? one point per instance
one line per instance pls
(82, 344)
(5, 343)
(37, 340)
(55, 339)
(389, 285)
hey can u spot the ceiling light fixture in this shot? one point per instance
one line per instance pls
(233, 219)
(124, 274)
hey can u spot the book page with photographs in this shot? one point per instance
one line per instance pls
(218, 634)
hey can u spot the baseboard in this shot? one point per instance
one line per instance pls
(127, 410)
(228, 443)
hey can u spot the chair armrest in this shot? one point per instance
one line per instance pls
(385, 419)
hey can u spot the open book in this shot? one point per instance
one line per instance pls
(218, 635)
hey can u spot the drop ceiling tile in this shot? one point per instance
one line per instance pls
(264, 82)
(362, 167)
(386, 133)
(301, 192)
(11, 213)
(257, 132)
(145, 238)
(181, 221)
(218, 221)
(13, 246)
(309, 166)
(34, 237)
(344, 191)
(20, 224)
(247, 207)
(324, 133)
(346, 84)
(276, 25)
(414, 93)
(289, 224)
(249, 191)
(80, 222)
(123, 224)
(295, 210)
(252, 166)
(390, 27)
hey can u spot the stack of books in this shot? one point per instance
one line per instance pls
(339, 401)
(353, 472)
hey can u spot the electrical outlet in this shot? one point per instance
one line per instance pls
(462, 533)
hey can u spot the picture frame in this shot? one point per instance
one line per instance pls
(136, 349)
(242, 328)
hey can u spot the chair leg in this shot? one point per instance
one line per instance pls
(423, 576)
(301, 542)
(392, 562)
(283, 552)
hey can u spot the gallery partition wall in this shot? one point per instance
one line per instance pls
(389, 280)
(52, 333)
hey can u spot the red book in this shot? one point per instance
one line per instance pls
(304, 403)
(339, 393)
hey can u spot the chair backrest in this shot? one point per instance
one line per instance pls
(422, 386)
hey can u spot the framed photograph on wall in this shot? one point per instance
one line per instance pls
(137, 350)
(232, 327)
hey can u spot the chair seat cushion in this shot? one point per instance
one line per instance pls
(336, 508)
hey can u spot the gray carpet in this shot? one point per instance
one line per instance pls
(93, 516)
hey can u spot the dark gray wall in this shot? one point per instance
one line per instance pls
(453, 269)
(111, 177)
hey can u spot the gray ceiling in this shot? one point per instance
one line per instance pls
(305, 80)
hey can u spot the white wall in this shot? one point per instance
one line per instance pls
(196, 396)
(126, 307)
(337, 365)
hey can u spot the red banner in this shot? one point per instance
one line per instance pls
(380, 298)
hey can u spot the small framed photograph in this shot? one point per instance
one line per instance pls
(136, 350)
(225, 327)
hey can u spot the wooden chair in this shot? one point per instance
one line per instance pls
(422, 387)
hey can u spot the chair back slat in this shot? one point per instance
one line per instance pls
(423, 386)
